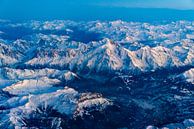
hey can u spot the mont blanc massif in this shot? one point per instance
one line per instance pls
(64, 74)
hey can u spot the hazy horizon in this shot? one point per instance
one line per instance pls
(110, 14)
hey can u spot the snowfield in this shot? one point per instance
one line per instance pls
(101, 75)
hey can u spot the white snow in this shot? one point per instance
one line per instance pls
(189, 75)
(33, 86)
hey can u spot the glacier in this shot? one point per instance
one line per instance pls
(97, 74)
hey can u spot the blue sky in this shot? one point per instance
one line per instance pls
(85, 9)
(173, 4)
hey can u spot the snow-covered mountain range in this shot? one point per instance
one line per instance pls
(143, 66)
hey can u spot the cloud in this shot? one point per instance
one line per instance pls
(171, 4)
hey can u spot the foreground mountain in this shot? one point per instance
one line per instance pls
(143, 70)
(54, 109)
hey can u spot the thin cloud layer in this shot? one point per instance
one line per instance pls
(170, 4)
